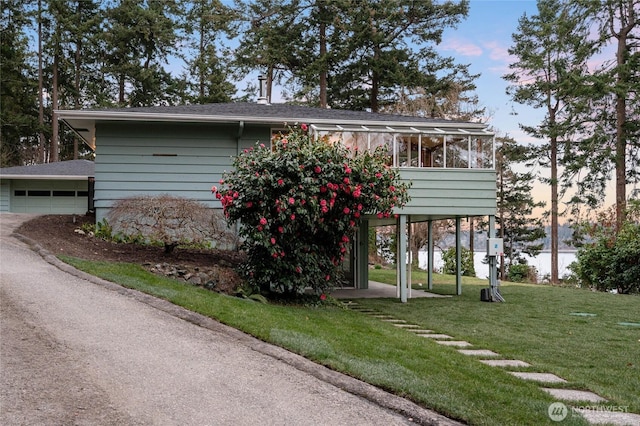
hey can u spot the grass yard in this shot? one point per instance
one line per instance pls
(534, 325)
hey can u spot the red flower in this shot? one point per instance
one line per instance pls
(328, 277)
(263, 221)
(323, 297)
(280, 182)
(298, 269)
(317, 169)
(280, 229)
(346, 180)
(293, 217)
(304, 127)
(249, 204)
(292, 200)
(273, 240)
(346, 210)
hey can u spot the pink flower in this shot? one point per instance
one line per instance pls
(346, 180)
(292, 200)
(260, 228)
(304, 127)
(293, 217)
(323, 297)
(360, 207)
(323, 189)
(345, 239)
(346, 210)
(324, 209)
(347, 169)
(263, 221)
(380, 215)
(218, 195)
(275, 255)
(280, 182)
(221, 181)
(214, 189)
(280, 229)
(273, 240)
(378, 175)
(249, 204)
(392, 188)
(327, 278)
(356, 214)
(317, 169)
(261, 145)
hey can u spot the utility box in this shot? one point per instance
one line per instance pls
(495, 247)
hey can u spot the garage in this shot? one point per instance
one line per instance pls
(63, 187)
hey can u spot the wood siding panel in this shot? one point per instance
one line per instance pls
(188, 160)
(454, 192)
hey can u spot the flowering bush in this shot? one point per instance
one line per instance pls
(299, 204)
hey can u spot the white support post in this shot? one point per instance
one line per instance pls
(402, 257)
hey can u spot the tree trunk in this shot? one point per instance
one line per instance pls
(42, 139)
(53, 156)
(323, 68)
(554, 210)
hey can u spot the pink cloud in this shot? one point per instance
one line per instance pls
(461, 47)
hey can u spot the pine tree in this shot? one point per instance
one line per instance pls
(18, 88)
(607, 140)
(139, 38)
(521, 232)
(551, 50)
(208, 21)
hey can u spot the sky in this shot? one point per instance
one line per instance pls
(483, 40)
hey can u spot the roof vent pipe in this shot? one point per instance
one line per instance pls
(262, 98)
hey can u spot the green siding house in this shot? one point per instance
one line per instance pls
(183, 150)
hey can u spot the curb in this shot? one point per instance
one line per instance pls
(412, 411)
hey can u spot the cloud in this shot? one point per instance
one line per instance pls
(461, 47)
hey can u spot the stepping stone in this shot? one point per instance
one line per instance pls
(407, 326)
(478, 352)
(395, 321)
(574, 395)
(419, 331)
(539, 377)
(456, 343)
(436, 336)
(505, 363)
(610, 417)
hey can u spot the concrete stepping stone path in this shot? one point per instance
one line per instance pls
(539, 377)
(505, 363)
(477, 352)
(455, 343)
(595, 414)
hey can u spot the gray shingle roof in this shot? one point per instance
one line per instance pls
(277, 111)
(80, 168)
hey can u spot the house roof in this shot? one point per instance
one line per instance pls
(83, 121)
(61, 170)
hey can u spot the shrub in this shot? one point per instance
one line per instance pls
(168, 221)
(521, 272)
(299, 204)
(449, 260)
(611, 261)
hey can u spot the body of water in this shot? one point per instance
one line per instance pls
(541, 262)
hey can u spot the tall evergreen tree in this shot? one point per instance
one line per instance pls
(391, 45)
(208, 21)
(551, 49)
(18, 88)
(140, 36)
(607, 142)
(521, 232)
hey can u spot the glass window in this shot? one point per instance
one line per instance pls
(64, 193)
(482, 152)
(432, 151)
(383, 141)
(38, 193)
(457, 152)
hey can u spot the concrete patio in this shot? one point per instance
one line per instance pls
(377, 290)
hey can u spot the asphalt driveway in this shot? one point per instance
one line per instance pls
(78, 350)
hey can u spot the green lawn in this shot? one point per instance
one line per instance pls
(535, 325)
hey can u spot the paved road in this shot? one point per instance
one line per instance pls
(77, 350)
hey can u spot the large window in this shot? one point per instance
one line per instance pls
(459, 150)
